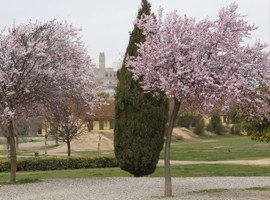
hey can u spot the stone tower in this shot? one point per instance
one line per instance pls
(102, 60)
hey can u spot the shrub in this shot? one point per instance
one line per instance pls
(43, 164)
(184, 120)
(215, 124)
(235, 129)
(199, 126)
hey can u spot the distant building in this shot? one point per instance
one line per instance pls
(105, 77)
(103, 118)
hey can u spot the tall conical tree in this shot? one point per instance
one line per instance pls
(140, 119)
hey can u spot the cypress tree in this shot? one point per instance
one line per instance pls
(215, 124)
(140, 119)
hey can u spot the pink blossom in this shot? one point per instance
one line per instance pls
(39, 62)
(202, 64)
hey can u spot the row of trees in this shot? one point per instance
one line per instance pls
(231, 123)
(201, 65)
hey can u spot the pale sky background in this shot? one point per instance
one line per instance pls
(106, 23)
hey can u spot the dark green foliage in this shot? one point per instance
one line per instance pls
(258, 130)
(235, 129)
(189, 120)
(199, 125)
(60, 163)
(186, 120)
(215, 124)
(140, 119)
(233, 117)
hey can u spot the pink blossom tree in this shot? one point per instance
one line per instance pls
(201, 65)
(39, 62)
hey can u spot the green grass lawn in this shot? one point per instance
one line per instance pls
(202, 170)
(212, 190)
(219, 148)
(211, 148)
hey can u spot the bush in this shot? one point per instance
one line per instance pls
(43, 164)
(199, 126)
(215, 124)
(188, 120)
(184, 120)
(235, 129)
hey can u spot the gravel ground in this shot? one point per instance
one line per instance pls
(137, 188)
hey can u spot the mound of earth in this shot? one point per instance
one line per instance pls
(185, 134)
(208, 133)
(85, 142)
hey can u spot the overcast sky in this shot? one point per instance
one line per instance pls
(106, 23)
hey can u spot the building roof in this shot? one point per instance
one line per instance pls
(105, 112)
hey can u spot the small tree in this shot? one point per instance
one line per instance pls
(66, 117)
(199, 125)
(185, 120)
(235, 122)
(215, 124)
(199, 64)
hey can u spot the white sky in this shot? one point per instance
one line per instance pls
(106, 23)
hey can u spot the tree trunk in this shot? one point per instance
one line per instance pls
(13, 155)
(8, 149)
(56, 139)
(98, 149)
(68, 147)
(167, 172)
(46, 138)
(99, 143)
(17, 143)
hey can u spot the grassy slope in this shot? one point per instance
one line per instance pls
(221, 148)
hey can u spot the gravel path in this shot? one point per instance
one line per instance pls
(265, 161)
(137, 188)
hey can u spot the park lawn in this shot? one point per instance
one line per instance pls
(75, 173)
(211, 148)
(200, 170)
(219, 148)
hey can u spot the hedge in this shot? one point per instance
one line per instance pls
(43, 164)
